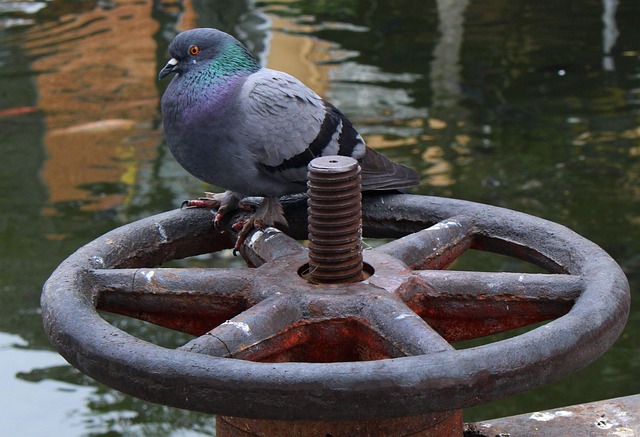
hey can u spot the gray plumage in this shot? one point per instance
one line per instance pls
(253, 130)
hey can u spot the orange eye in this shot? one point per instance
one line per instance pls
(194, 50)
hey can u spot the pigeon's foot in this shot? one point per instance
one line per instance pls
(221, 202)
(244, 228)
(268, 214)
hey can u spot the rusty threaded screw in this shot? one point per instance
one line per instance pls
(335, 220)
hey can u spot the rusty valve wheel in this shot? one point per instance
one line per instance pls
(268, 344)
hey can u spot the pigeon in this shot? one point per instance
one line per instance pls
(252, 130)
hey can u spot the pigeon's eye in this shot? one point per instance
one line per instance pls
(194, 50)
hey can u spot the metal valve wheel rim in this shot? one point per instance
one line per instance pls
(394, 387)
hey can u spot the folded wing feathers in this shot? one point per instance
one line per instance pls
(296, 125)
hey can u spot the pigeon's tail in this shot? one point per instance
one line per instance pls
(380, 173)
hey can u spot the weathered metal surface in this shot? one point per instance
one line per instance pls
(379, 348)
(467, 305)
(435, 247)
(335, 220)
(190, 301)
(613, 417)
(446, 424)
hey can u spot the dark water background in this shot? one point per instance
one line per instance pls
(532, 106)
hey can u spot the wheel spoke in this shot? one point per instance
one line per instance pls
(435, 247)
(268, 245)
(247, 335)
(404, 329)
(465, 305)
(187, 300)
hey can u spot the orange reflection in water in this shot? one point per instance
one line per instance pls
(97, 88)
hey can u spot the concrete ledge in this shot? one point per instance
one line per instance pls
(613, 417)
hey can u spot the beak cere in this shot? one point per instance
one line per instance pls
(168, 69)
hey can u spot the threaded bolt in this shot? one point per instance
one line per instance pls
(335, 220)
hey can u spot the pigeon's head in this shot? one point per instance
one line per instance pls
(197, 48)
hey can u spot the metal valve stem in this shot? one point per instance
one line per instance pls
(335, 220)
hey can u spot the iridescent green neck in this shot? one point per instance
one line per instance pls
(233, 60)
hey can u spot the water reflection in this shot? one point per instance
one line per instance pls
(97, 89)
(609, 33)
(531, 106)
(446, 81)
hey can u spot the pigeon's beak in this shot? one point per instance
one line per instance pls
(168, 69)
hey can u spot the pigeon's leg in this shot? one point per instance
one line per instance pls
(221, 202)
(228, 202)
(268, 214)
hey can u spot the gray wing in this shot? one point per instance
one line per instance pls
(288, 125)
